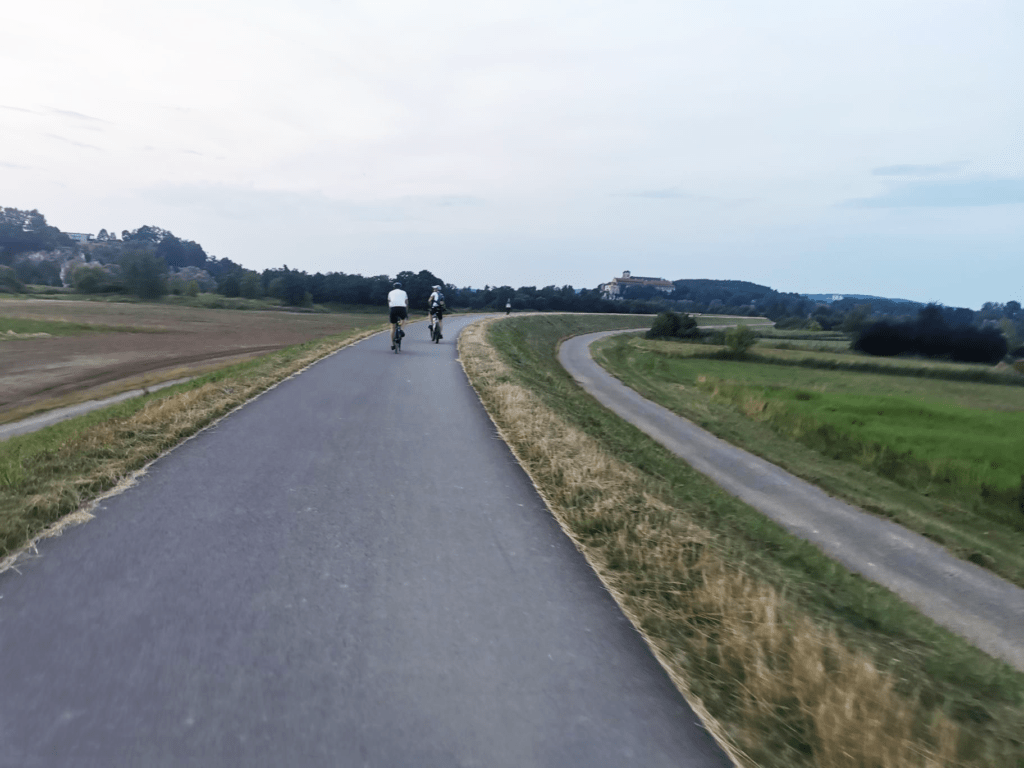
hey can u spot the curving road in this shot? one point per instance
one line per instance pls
(967, 599)
(352, 570)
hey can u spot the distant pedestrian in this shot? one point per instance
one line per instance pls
(508, 307)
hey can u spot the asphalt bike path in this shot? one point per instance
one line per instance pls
(964, 598)
(351, 570)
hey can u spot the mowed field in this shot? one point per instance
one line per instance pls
(916, 441)
(57, 352)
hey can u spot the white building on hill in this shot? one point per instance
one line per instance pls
(617, 287)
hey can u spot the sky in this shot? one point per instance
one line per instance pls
(821, 146)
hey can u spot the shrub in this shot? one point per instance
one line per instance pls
(739, 339)
(250, 286)
(687, 327)
(791, 323)
(964, 344)
(665, 326)
(143, 274)
(671, 325)
(9, 281)
(92, 278)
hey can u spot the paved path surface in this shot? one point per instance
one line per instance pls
(966, 599)
(352, 570)
(57, 415)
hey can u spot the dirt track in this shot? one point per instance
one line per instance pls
(166, 342)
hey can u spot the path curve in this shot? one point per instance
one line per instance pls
(351, 570)
(964, 598)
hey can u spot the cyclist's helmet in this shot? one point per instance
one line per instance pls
(398, 285)
(437, 287)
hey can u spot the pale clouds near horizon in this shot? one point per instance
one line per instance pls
(861, 147)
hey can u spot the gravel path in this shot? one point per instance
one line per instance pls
(959, 595)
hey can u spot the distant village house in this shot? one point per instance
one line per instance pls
(79, 237)
(617, 287)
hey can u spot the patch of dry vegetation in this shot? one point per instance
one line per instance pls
(46, 476)
(778, 688)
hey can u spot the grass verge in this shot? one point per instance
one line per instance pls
(56, 471)
(16, 326)
(846, 360)
(795, 661)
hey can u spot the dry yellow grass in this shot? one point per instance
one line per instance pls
(765, 677)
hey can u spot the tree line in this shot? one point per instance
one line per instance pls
(150, 262)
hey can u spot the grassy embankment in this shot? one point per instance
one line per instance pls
(14, 326)
(796, 661)
(47, 475)
(941, 456)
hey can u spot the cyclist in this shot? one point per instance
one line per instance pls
(398, 304)
(436, 308)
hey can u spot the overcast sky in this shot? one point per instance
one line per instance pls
(850, 146)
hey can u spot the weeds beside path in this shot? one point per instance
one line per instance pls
(47, 475)
(796, 661)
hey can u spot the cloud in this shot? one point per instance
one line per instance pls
(668, 193)
(951, 193)
(918, 170)
(274, 205)
(75, 115)
(15, 166)
(446, 201)
(75, 143)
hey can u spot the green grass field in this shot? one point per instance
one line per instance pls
(945, 458)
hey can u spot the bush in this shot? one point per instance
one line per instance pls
(92, 278)
(671, 325)
(791, 323)
(964, 344)
(9, 282)
(739, 339)
(250, 286)
(143, 274)
(665, 326)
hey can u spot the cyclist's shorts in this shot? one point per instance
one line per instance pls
(437, 312)
(399, 312)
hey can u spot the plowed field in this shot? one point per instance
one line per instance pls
(164, 342)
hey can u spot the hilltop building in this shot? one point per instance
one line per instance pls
(617, 287)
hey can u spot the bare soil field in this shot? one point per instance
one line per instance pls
(38, 373)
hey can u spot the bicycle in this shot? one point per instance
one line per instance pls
(435, 327)
(396, 337)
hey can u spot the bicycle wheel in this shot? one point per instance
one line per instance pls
(436, 335)
(398, 339)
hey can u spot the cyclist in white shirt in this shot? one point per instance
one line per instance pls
(398, 303)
